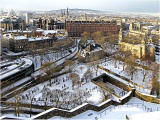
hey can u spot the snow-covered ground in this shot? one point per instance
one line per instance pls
(137, 78)
(132, 107)
(12, 115)
(145, 116)
(157, 58)
(48, 57)
(51, 56)
(61, 90)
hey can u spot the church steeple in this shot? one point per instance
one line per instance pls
(67, 12)
(62, 14)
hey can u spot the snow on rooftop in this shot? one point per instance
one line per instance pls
(10, 53)
(9, 73)
(45, 32)
(6, 69)
(1, 20)
(18, 31)
(14, 69)
(39, 30)
(20, 37)
(7, 36)
(38, 38)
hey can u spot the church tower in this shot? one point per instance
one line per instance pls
(120, 35)
(130, 27)
(67, 13)
(85, 17)
(62, 13)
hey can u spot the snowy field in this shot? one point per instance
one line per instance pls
(61, 93)
(137, 78)
(134, 106)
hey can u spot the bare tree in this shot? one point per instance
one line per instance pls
(106, 95)
(155, 78)
(88, 75)
(80, 58)
(144, 72)
(111, 41)
(31, 98)
(49, 68)
(131, 67)
(84, 37)
(68, 63)
(75, 79)
(98, 37)
(17, 102)
(94, 67)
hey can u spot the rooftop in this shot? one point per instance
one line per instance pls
(20, 37)
(38, 38)
(14, 67)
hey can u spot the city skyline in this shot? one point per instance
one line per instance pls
(151, 6)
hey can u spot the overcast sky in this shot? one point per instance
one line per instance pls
(120, 5)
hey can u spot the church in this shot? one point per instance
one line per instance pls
(137, 42)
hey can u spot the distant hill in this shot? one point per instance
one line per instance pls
(80, 11)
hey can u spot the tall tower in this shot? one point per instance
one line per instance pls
(130, 27)
(61, 13)
(47, 25)
(27, 18)
(120, 35)
(85, 17)
(67, 13)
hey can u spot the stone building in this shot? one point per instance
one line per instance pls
(8, 24)
(22, 43)
(141, 50)
(48, 24)
(91, 51)
(76, 28)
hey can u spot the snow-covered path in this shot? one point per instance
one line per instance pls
(134, 106)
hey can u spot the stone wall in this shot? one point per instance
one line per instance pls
(80, 109)
(84, 107)
(145, 97)
(113, 81)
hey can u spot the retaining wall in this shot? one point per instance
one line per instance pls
(85, 107)
(145, 97)
(80, 109)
